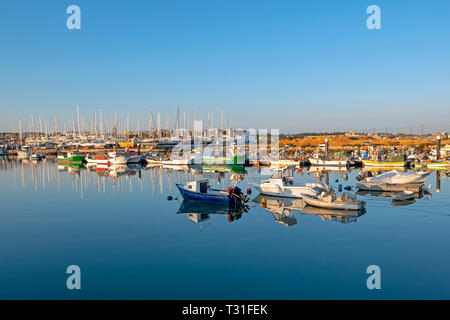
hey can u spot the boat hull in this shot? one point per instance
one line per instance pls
(205, 197)
(356, 206)
(134, 159)
(401, 178)
(285, 192)
(382, 164)
(328, 163)
(72, 159)
(442, 164)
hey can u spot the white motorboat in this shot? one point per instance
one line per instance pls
(118, 157)
(281, 184)
(398, 177)
(23, 154)
(332, 201)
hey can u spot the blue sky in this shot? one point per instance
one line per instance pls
(294, 65)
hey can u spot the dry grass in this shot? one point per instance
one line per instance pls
(344, 142)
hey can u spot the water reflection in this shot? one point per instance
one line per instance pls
(283, 210)
(199, 212)
(160, 180)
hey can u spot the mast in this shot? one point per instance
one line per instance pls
(159, 125)
(78, 120)
(20, 132)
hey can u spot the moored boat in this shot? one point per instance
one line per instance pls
(70, 158)
(281, 184)
(23, 154)
(37, 156)
(397, 177)
(439, 164)
(118, 157)
(332, 201)
(374, 163)
(200, 190)
(326, 163)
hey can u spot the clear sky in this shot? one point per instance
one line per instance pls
(296, 65)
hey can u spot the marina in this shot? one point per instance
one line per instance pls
(136, 198)
(224, 158)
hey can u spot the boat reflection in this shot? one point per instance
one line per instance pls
(400, 203)
(342, 216)
(388, 194)
(199, 212)
(283, 210)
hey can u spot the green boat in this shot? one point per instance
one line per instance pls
(220, 168)
(439, 164)
(229, 160)
(75, 166)
(70, 158)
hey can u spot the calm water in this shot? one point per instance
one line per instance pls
(131, 242)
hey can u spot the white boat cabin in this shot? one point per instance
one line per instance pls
(198, 186)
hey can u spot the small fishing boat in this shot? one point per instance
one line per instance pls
(328, 163)
(70, 158)
(391, 164)
(281, 184)
(332, 201)
(229, 159)
(397, 177)
(200, 190)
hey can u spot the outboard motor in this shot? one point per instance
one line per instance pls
(364, 175)
(237, 193)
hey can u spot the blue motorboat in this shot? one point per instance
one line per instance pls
(200, 190)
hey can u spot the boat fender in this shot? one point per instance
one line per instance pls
(249, 191)
(263, 203)
(170, 198)
(230, 218)
(229, 189)
(348, 188)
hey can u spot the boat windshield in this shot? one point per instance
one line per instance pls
(284, 173)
